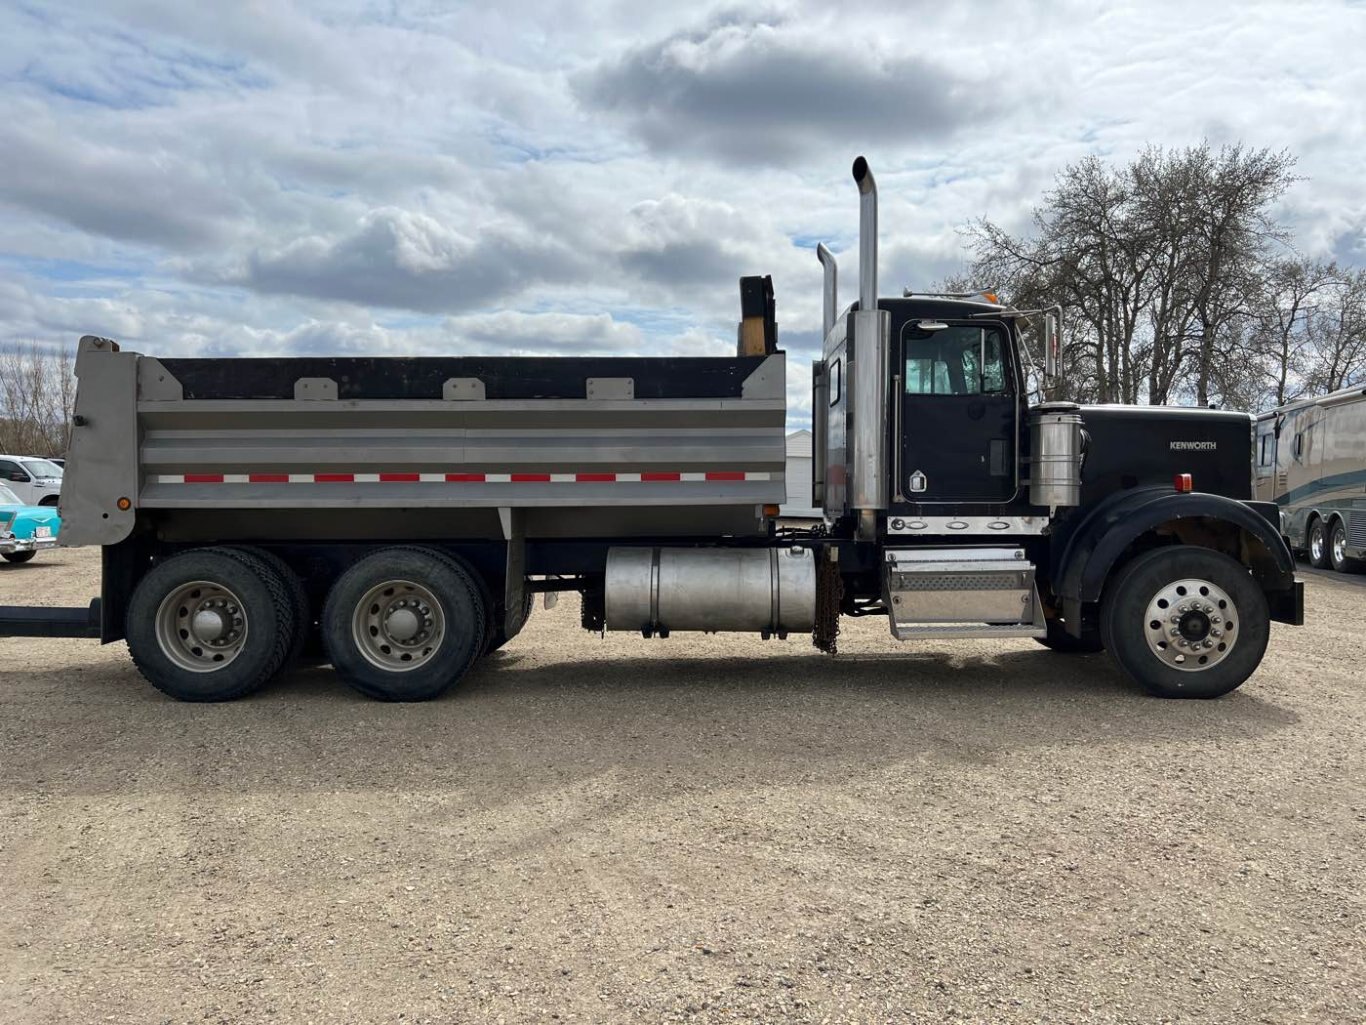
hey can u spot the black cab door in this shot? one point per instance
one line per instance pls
(958, 413)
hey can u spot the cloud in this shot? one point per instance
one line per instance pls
(766, 92)
(515, 333)
(110, 191)
(408, 260)
(685, 241)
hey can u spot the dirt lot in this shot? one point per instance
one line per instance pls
(703, 829)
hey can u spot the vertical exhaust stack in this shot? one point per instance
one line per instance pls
(870, 469)
(832, 294)
(867, 235)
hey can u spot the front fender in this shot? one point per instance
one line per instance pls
(1103, 536)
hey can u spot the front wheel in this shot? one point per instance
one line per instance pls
(19, 557)
(1185, 622)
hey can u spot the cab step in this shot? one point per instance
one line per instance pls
(961, 592)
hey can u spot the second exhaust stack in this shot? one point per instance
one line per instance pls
(870, 470)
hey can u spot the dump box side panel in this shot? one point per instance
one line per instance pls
(533, 433)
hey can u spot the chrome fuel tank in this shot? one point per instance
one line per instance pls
(762, 590)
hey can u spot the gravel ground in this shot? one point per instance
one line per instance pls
(706, 829)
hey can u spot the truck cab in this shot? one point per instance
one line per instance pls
(976, 509)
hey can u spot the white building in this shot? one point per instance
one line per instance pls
(799, 503)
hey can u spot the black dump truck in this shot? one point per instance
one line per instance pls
(396, 517)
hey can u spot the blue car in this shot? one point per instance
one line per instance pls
(25, 530)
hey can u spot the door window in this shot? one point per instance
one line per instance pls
(8, 469)
(961, 359)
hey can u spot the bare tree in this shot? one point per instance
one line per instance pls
(1291, 292)
(1159, 264)
(37, 395)
(1337, 335)
(1229, 236)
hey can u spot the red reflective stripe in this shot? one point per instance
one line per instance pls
(591, 477)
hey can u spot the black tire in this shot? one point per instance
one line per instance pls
(1317, 541)
(500, 635)
(1061, 641)
(50, 500)
(18, 558)
(1243, 625)
(269, 617)
(294, 588)
(360, 654)
(1337, 542)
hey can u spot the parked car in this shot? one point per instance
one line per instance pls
(59, 463)
(35, 481)
(25, 530)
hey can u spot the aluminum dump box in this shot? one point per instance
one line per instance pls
(663, 443)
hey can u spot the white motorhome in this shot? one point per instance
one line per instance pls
(1311, 461)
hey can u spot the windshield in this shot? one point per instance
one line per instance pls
(8, 497)
(41, 468)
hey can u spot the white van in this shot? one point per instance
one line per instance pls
(36, 481)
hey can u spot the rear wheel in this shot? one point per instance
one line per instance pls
(1185, 622)
(1318, 544)
(19, 557)
(1061, 641)
(404, 624)
(294, 591)
(209, 625)
(1337, 550)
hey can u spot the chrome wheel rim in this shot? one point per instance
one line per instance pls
(398, 626)
(201, 626)
(1339, 548)
(1316, 543)
(1191, 625)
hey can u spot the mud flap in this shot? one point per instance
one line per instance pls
(514, 571)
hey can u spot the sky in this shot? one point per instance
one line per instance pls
(441, 178)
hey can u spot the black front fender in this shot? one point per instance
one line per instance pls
(1093, 548)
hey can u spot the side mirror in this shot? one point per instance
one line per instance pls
(1052, 344)
(20, 476)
